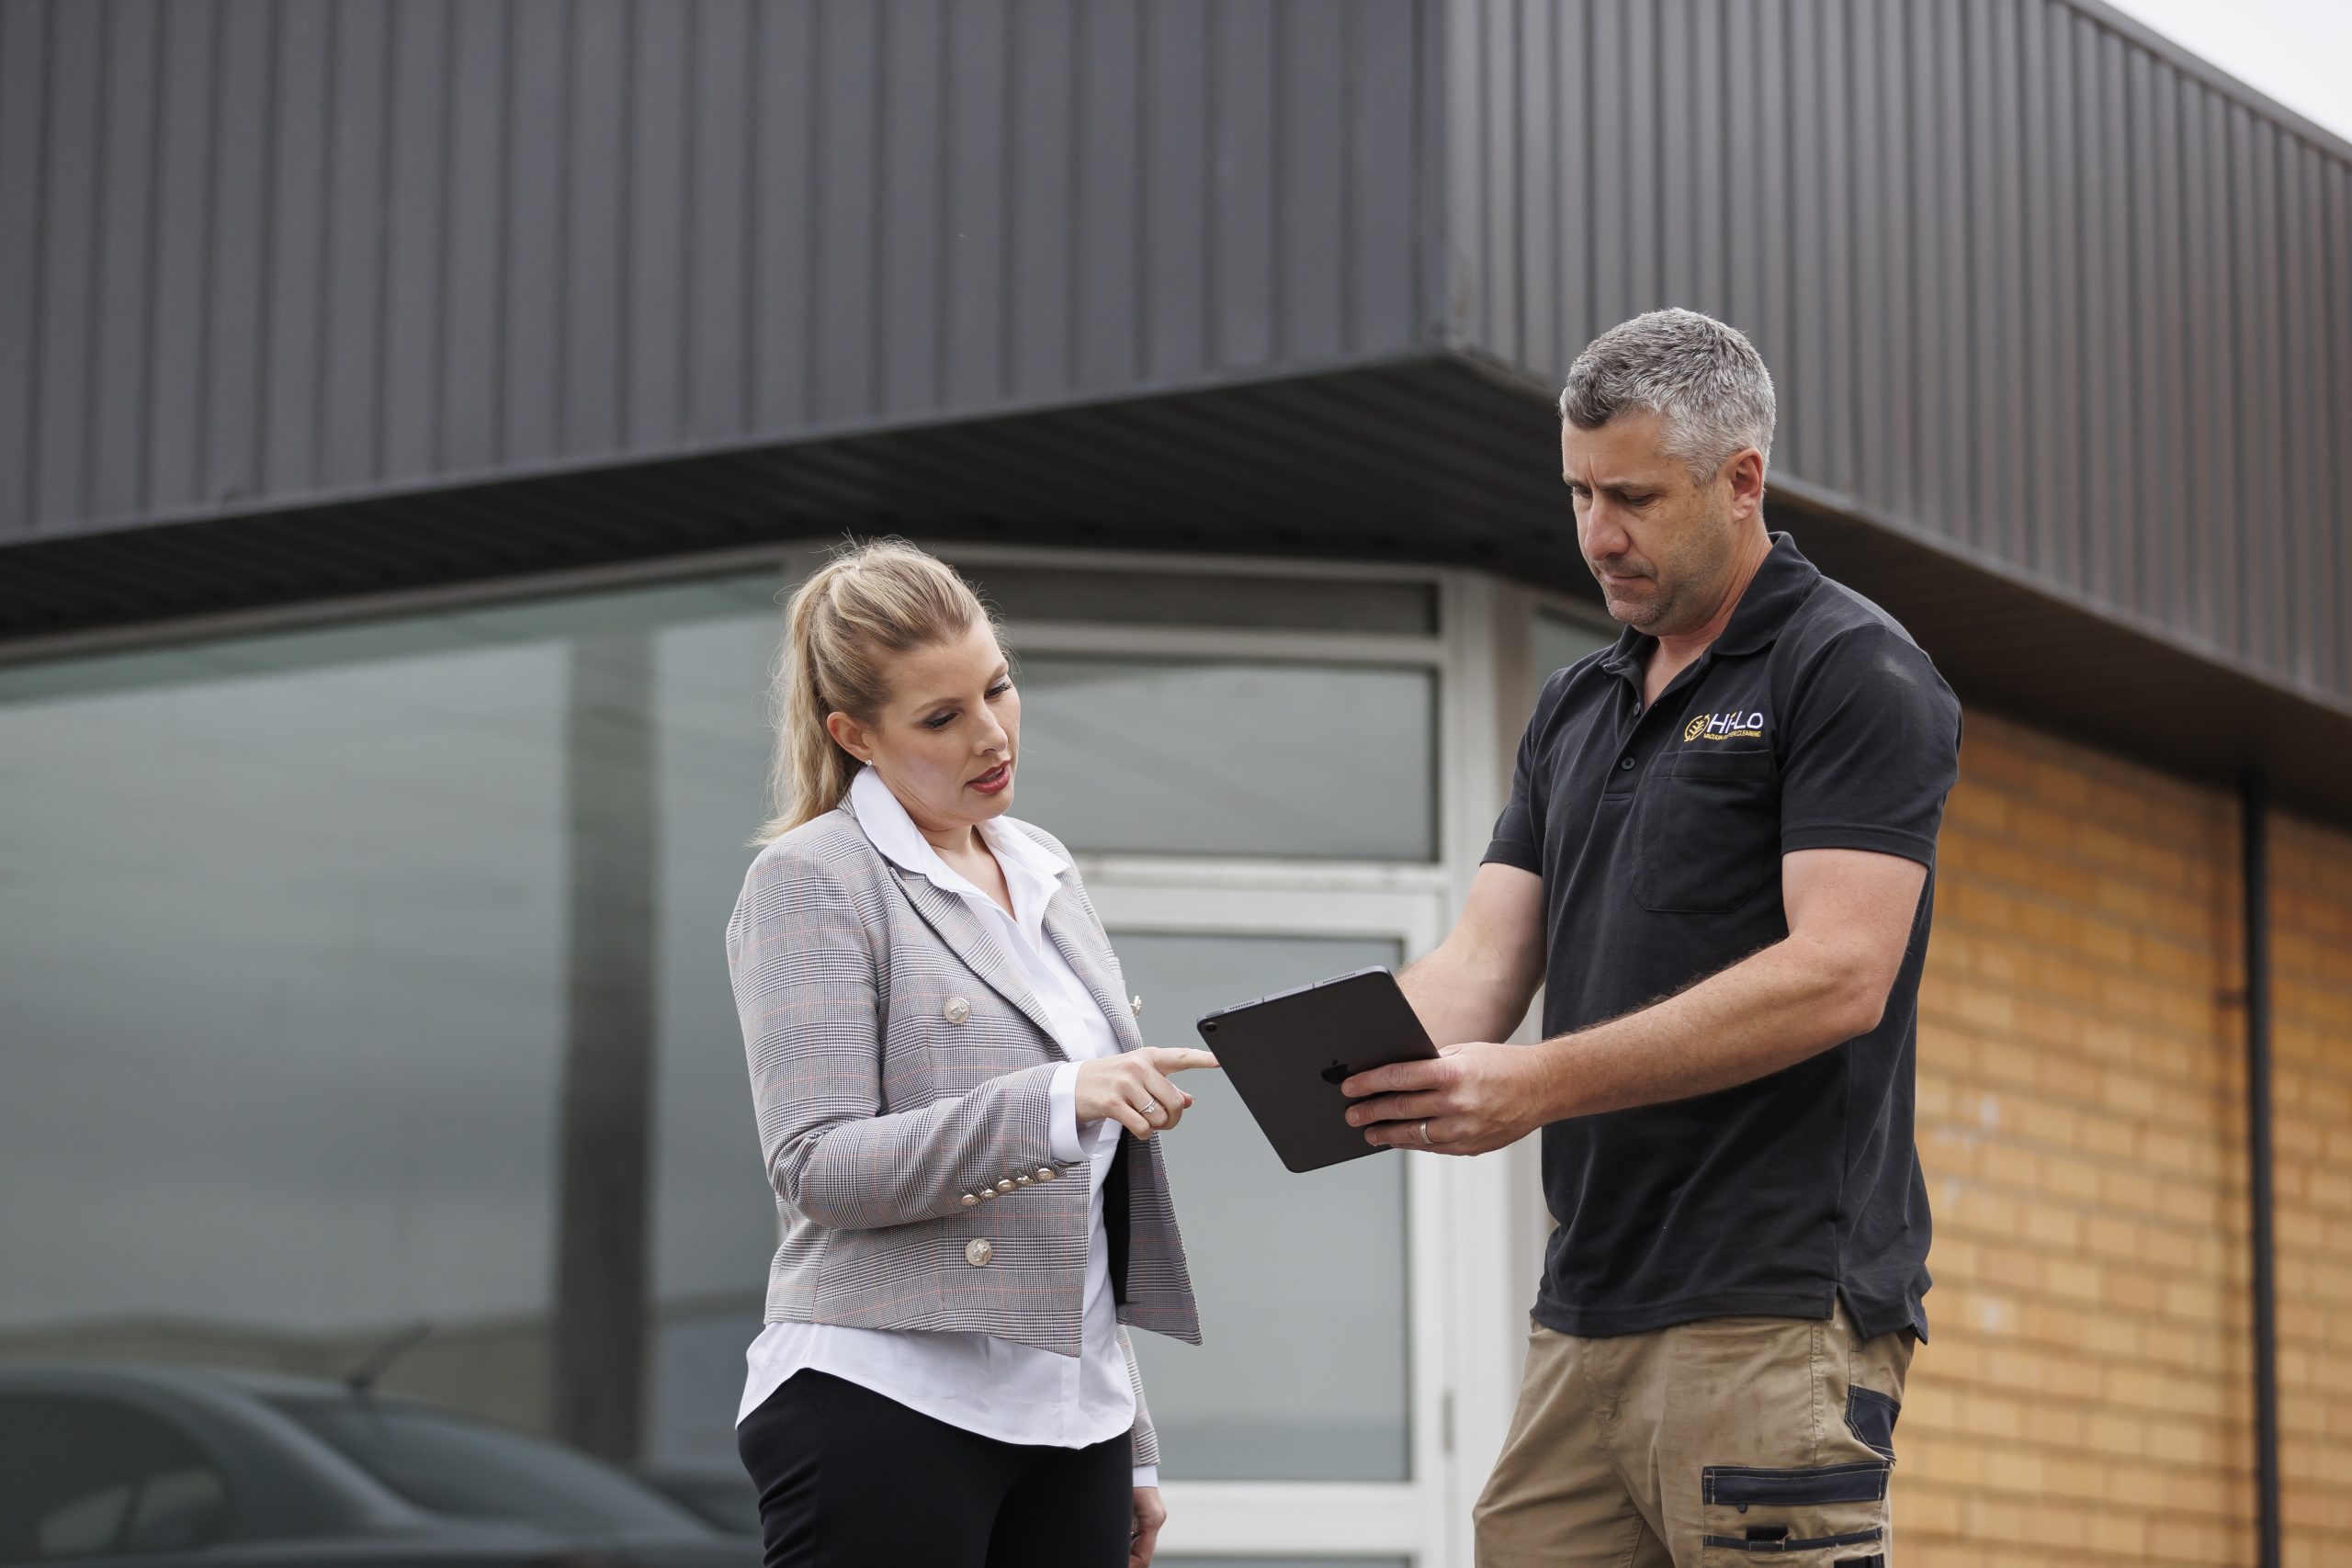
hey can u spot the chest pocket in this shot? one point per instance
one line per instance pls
(1706, 835)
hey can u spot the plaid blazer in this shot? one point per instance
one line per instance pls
(899, 1071)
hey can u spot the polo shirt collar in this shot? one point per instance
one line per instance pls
(1772, 596)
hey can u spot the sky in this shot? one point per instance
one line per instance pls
(2298, 51)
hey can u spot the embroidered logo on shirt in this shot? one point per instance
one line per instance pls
(1733, 726)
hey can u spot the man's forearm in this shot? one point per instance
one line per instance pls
(1770, 1011)
(1460, 995)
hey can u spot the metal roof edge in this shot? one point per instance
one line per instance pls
(1821, 498)
(2173, 52)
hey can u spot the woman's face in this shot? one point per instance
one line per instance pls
(948, 734)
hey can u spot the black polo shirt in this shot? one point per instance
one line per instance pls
(1813, 722)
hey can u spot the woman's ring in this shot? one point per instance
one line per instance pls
(1425, 1136)
(1150, 1108)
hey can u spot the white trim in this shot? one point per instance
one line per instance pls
(1263, 644)
(1247, 875)
(1195, 563)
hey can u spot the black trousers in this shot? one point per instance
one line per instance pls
(848, 1477)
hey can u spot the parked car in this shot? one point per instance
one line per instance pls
(122, 1466)
(726, 1500)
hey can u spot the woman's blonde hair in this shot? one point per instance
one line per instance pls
(870, 601)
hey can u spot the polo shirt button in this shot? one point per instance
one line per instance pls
(1624, 762)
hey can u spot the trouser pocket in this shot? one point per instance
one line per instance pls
(1830, 1514)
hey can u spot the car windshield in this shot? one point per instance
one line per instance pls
(454, 1465)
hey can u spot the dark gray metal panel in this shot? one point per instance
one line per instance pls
(294, 327)
(1107, 212)
(1386, 177)
(1242, 120)
(532, 244)
(349, 449)
(67, 229)
(2034, 283)
(126, 187)
(253, 253)
(979, 279)
(24, 77)
(1174, 200)
(717, 401)
(466, 409)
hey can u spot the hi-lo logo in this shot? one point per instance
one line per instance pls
(1731, 726)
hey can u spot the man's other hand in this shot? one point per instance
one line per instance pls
(1471, 1099)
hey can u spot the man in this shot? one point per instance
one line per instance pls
(1715, 859)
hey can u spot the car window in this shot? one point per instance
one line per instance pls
(86, 1476)
(457, 1464)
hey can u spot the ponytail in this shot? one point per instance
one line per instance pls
(840, 628)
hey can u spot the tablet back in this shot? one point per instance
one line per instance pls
(1287, 1056)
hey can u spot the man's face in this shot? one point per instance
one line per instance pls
(1663, 544)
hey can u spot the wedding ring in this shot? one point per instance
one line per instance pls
(1150, 1108)
(1425, 1136)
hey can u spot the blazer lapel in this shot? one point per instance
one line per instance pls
(1070, 931)
(952, 919)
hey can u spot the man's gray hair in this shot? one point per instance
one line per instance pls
(1704, 379)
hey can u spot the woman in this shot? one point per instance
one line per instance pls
(958, 1116)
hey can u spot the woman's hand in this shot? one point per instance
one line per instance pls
(1151, 1512)
(1133, 1089)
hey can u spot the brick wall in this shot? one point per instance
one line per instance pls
(2087, 1395)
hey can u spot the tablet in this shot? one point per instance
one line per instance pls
(1287, 1056)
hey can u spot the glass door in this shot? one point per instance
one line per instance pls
(1310, 1420)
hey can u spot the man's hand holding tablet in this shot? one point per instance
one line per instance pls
(1471, 1099)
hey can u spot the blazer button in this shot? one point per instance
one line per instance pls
(1021, 1181)
(1047, 1173)
(978, 1253)
(971, 1200)
(1005, 1186)
(987, 1192)
(957, 1010)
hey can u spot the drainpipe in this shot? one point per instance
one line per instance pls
(2254, 839)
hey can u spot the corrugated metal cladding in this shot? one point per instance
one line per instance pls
(253, 251)
(2040, 291)
(2029, 283)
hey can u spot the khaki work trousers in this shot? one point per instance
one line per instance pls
(1730, 1441)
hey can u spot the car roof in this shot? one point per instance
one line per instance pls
(214, 1383)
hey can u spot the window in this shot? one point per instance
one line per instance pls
(1561, 640)
(87, 1476)
(1225, 756)
(452, 1464)
(1303, 1279)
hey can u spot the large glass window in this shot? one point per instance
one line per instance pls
(318, 952)
(366, 984)
(1217, 757)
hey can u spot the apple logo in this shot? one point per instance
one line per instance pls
(1339, 1072)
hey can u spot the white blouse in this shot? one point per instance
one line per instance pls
(1015, 1393)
